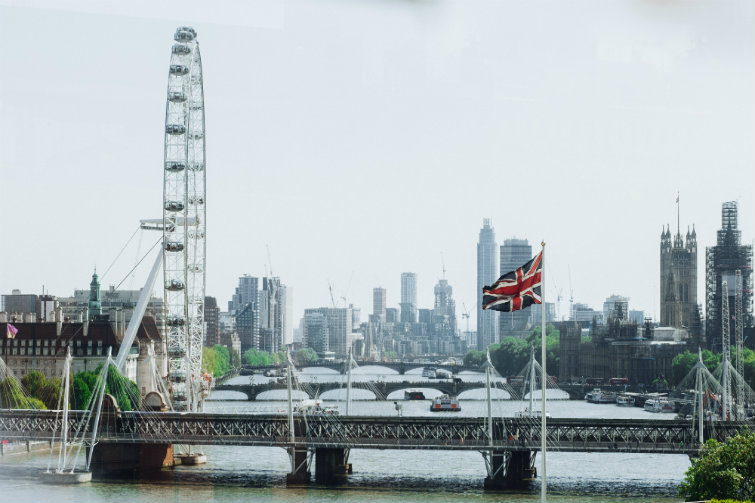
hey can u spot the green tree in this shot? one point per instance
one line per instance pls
(12, 396)
(257, 358)
(682, 365)
(208, 361)
(305, 355)
(222, 360)
(47, 391)
(235, 358)
(723, 470)
(475, 358)
(510, 356)
(33, 382)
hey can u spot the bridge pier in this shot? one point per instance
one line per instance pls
(300, 474)
(331, 466)
(130, 459)
(510, 470)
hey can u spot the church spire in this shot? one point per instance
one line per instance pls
(95, 305)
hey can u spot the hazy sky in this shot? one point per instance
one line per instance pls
(359, 139)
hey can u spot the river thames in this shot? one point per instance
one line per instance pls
(259, 473)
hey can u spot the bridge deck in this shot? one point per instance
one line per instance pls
(443, 432)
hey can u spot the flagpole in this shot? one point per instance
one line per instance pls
(544, 378)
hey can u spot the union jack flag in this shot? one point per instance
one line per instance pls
(516, 290)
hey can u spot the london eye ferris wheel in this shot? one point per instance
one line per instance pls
(184, 223)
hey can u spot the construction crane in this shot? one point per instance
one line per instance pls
(332, 299)
(571, 297)
(465, 314)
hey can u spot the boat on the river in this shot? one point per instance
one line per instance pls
(315, 407)
(625, 401)
(529, 413)
(429, 372)
(445, 403)
(413, 395)
(599, 396)
(659, 405)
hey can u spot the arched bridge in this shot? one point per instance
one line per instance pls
(380, 389)
(340, 366)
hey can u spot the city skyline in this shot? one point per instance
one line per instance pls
(608, 138)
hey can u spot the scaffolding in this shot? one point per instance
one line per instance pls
(721, 263)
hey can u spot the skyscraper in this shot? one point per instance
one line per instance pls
(212, 321)
(678, 279)
(244, 307)
(721, 263)
(444, 309)
(378, 304)
(408, 297)
(514, 254)
(271, 315)
(487, 273)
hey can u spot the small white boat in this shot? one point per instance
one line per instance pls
(625, 401)
(659, 405)
(599, 396)
(528, 413)
(590, 394)
(445, 403)
(314, 407)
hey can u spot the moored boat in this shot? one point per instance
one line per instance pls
(625, 401)
(413, 395)
(445, 403)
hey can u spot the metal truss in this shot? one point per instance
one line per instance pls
(510, 434)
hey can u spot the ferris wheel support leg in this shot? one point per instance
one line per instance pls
(136, 317)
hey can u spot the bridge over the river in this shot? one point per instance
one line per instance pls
(340, 366)
(382, 389)
(129, 437)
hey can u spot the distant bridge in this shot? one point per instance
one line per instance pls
(382, 389)
(340, 366)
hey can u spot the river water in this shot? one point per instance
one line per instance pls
(258, 473)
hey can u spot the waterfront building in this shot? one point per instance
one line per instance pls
(271, 311)
(721, 263)
(536, 313)
(487, 274)
(616, 307)
(315, 331)
(246, 293)
(117, 304)
(408, 297)
(42, 346)
(287, 301)
(247, 327)
(20, 303)
(444, 310)
(335, 322)
(584, 314)
(678, 279)
(514, 253)
(212, 321)
(378, 303)
(244, 307)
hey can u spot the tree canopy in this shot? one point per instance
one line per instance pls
(512, 354)
(723, 470)
(216, 360)
(259, 358)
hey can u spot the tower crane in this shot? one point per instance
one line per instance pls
(465, 315)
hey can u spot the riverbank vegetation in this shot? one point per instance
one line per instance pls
(511, 355)
(723, 470)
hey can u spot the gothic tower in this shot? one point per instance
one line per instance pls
(678, 279)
